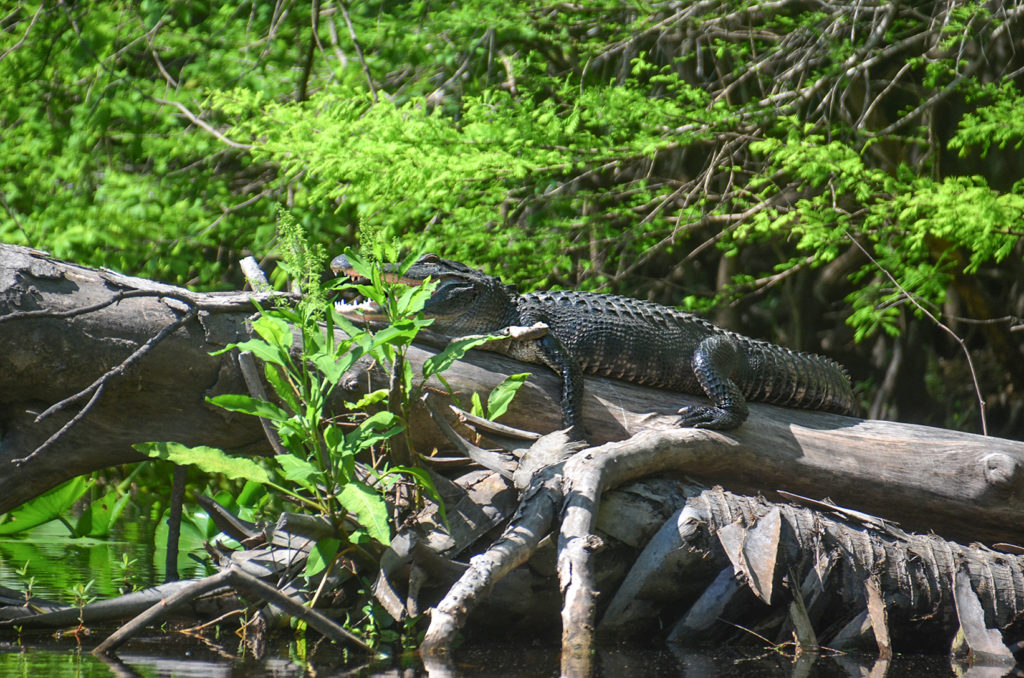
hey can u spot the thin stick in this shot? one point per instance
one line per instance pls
(161, 608)
(118, 369)
(196, 120)
(247, 366)
(318, 621)
(938, 323)
(359, 50)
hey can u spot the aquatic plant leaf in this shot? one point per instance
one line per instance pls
(101, 514)
(45, 507)
(209, 459)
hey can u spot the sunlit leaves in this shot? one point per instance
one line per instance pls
(500, 397)
(237, 402)
(999, 122)
(209, 459)
(368, 507)
(918, 229)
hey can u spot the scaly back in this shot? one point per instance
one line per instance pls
(653, 345)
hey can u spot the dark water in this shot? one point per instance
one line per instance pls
(57, 564)
(168, 656)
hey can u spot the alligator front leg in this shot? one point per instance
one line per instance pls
(555, 356)
(534, 344)
(714, 362)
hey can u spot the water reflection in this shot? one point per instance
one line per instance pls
(58, 563)
(132, 558)
(172, 655)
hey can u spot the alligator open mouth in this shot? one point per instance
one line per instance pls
(364, 309)
(360, 309)
(342, 266)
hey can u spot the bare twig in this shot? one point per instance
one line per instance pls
(96, 388)
(307, 66)
(161, 608)
(14, 216)
(120, 368)
(247, 365)
(359, 50)
(938, 323)
(21, 40)
(196, 120)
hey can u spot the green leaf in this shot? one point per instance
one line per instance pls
(322, 554)
(369, 509)
(45, 507)
(281, 386)
(251, 496)
(274, 331)
(371, 398)
(101, 514)
(454, 351)
(342, 451)
(500, 398)
(208, 459)
(478, 407)
(372, 430)
(332, 367)
(237, 402)
(260, 349)
(299, 470)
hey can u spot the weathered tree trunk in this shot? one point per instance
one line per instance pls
(64, 328)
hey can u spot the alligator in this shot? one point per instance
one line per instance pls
(629, 339)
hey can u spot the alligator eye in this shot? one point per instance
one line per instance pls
(429, 259)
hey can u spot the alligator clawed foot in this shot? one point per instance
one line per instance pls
(709, 417)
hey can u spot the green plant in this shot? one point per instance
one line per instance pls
(500, 398)
(338, 455)
(124, 565)
(29, 581)
(82, 597)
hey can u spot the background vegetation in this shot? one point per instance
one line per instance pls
(842, 178)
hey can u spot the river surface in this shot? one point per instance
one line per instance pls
(57, 565)
(163, 656)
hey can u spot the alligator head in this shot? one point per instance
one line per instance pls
(465, 301)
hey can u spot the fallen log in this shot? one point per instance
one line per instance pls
(71, 403)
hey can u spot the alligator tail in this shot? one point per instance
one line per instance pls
(781, 376)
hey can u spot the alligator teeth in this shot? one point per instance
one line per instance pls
(359, 309)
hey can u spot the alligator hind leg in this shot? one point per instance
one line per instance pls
(714, 363)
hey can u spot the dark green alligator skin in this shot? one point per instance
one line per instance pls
(633, 340)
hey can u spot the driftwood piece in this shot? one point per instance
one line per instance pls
(532, 521)
(591, 472)
(919, 583)
(921, 570)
